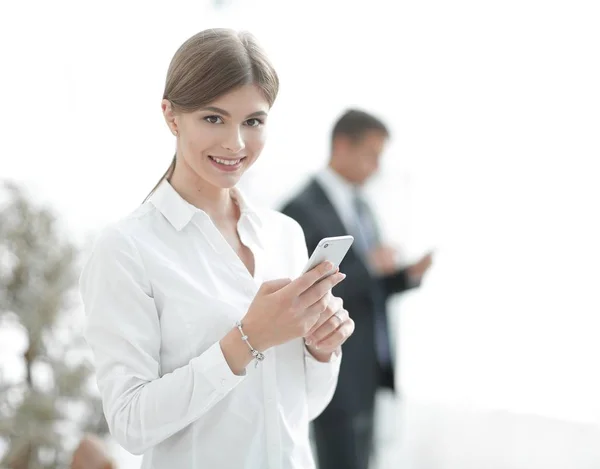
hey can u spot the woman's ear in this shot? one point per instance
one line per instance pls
(170, 117)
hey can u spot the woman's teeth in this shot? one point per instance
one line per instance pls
(226, 162)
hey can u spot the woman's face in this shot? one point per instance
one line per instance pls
(219, 142)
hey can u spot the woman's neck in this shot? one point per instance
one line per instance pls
(215, 201)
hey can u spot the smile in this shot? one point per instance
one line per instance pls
(225, 164)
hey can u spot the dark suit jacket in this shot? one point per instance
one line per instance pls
(363, 294)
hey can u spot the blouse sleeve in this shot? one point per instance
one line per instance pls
(142, 407)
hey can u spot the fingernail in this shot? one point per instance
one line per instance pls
(308, 341)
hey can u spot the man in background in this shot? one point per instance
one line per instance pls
(332, 204)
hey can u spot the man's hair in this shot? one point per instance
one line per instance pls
(355, 124)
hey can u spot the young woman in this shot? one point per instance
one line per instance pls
(207, 354)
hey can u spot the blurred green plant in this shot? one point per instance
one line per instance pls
(47, 396)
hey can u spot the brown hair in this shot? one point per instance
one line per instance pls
(354, 124)
(211, 64)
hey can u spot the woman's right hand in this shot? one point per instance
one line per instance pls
(283, 309)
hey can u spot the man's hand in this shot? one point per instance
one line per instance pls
(417, 270)
(91, 454)
(383, 260)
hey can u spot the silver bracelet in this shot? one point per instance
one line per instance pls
(258, 356)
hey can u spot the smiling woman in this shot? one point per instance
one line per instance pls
(217, 143)
(183, 294)
(208, 66)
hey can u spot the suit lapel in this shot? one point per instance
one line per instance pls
(326, 213)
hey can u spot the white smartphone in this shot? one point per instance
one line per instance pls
(332, 249)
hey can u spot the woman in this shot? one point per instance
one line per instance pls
(193, 287)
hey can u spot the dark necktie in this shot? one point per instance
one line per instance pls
(367, 237)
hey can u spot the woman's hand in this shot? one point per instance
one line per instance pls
(283, 310)
(330, 331)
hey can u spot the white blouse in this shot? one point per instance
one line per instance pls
(160, 289)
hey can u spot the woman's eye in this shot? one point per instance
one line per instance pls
(253, 122)
(213, 119)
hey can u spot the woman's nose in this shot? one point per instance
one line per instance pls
(235, 141)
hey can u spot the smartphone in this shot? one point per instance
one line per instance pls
(332, 249)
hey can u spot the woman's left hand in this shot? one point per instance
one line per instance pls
(331, 330)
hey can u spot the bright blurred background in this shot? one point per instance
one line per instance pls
(494, 109)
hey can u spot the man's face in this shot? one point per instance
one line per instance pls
(361, 158)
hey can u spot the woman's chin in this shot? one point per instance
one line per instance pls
(226, 181)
